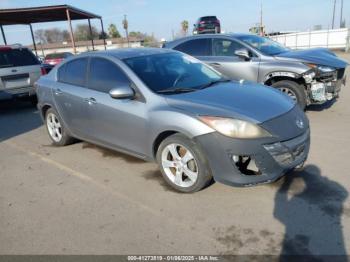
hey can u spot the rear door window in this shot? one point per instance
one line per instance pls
(17, 57)
(74, 72)
(196, 47)
(105, 75)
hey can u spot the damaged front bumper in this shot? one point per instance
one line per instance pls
(234, 164)
(326, 87)
(249, 162)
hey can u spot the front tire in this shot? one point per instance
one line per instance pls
(183, 164)
(293, 90)
(56, 129)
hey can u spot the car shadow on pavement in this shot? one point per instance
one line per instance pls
(310, 206)
(17, 117)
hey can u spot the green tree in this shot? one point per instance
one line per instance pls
(184, 27)
(113, 31)
(136, 34)
(82, 32)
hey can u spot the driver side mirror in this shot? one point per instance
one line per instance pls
(122, 92)
(243, 53)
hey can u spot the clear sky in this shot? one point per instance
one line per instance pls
(160, 17)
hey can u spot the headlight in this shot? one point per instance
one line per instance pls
(234, 127)
(323, 69)
(326, 69)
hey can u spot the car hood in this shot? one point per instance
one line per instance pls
(319, 56)
(248, 101)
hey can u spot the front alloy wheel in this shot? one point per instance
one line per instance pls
(294, 90)
(179, 165)
(289, 93)
(183, 164)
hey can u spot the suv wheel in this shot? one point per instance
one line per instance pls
(293, 90)
(56, 129)
(183, 164)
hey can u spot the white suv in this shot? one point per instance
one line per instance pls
(19, 70)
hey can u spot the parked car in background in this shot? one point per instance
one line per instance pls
(47, 67)
(19, 69)
(207, 25)
(311, 76)
(56, 58)
(163, 105)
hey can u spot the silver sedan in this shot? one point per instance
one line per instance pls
(162, 105)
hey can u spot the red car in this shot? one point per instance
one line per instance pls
(56, 58)
(207, 25)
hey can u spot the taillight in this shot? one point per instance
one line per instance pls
(43, 71)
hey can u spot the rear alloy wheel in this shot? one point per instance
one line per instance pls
(293, 90)
(56, 129)
(182, 164)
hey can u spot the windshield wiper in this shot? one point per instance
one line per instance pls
(176, 90)
(211, 83)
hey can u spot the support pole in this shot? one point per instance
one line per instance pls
(335, 2)
(34, 45)
(71, 31)
(92, 37)
(341, 14)
(3, 34)
(103, 34)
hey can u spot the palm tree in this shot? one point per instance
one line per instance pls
(184, 27)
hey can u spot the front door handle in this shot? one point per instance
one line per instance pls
(58, 92)
(90, 100)
(215, 64)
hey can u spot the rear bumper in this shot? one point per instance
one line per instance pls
(17, 93)
(273, 159)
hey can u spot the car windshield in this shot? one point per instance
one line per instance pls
(173, 72)
(265, 45)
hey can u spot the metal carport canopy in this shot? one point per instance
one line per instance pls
(43, 14)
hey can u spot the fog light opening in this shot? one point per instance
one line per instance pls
(246, 165)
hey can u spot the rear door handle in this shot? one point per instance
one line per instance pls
(90, 100)
(58, 92)
(215, 64)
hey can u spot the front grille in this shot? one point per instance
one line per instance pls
(288, 152)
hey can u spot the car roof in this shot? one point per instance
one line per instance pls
(124, 53)
(183, 39)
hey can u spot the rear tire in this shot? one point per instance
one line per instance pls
(294, 90)
(56, 129)
(183, 164)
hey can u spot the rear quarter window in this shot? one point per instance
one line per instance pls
(17, 57)
(73, 72)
